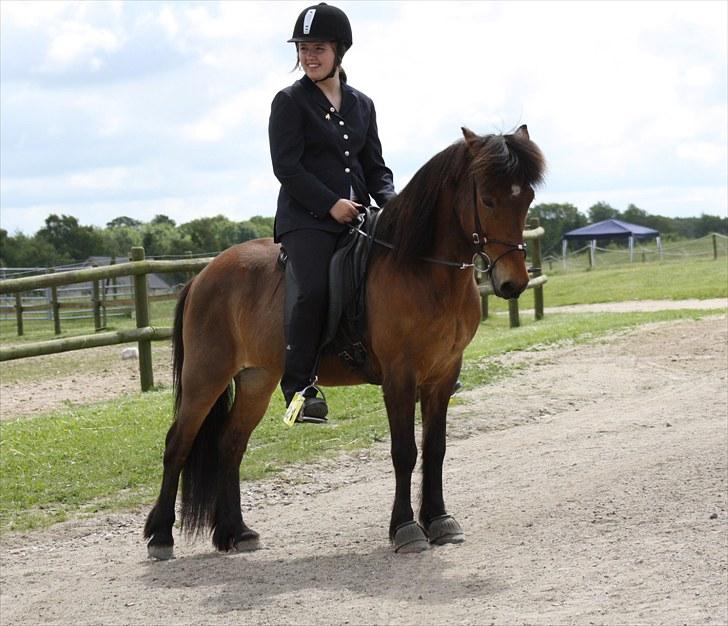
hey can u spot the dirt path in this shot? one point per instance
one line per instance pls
(592, 488)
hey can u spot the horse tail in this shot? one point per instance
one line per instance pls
(201, 471)
(178, 348)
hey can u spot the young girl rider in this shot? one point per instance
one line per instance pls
(327, 156)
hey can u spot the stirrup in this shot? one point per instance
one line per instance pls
(295, 413)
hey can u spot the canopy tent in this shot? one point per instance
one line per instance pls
(610, 229)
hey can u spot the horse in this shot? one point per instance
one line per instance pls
(422, 309)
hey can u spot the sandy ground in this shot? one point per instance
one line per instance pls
(592, 487)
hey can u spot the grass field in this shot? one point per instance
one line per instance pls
(108, 456)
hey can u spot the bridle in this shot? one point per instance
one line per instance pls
(478, 241)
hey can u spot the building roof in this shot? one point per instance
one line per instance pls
(611, 229)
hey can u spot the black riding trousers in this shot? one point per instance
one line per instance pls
(306, 302)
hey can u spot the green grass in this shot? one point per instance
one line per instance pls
(694, 278)
(108, 456)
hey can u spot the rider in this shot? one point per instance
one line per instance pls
(327, 156)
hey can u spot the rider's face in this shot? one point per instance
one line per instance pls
(317, 58)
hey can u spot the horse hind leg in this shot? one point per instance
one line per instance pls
(254, 388)
(199, 402)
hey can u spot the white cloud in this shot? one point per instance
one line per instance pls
(77, 43)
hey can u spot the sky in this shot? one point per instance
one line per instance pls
(137, 108)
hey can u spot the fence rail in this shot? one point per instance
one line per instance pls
(145, 333)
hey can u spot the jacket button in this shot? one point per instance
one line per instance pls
(332, 109)
(347, 170)
(341, 122)
(346, 136)
(346, 153)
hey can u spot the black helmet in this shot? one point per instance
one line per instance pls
(322, 22)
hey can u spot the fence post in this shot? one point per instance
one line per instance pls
(537, 270)
(113, 280)
(141, 304)
(715, 246)
(55, 307)
(96, 298)
(19, 313)
(513, 317)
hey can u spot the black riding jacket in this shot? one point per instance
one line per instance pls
(320, 155)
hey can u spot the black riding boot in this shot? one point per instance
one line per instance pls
(297, 377)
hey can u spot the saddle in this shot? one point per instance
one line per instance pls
(343, 334)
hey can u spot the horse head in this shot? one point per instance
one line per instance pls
(505, 170)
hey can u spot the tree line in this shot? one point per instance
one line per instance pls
(63, 240)
(558, 219)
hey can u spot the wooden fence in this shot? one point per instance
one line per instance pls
(144, 333)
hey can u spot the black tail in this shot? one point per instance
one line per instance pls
(178, 358)
(200, 474)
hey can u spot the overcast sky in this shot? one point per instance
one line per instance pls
(141, 108)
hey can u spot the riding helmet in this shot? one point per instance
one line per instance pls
(323, 22)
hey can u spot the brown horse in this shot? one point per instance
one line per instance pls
(422, 311)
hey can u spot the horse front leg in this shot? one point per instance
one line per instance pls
(440, 527)
(399, 398)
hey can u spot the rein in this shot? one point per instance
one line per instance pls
(479, 241)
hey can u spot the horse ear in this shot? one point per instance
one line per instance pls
(471, 139)
(522, 132)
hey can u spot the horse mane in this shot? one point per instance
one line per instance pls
(502, 160)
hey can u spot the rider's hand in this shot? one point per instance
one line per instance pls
(345, 211)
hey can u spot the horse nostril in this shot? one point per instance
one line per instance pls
(509, 290)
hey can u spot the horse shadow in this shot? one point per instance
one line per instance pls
(244, 582)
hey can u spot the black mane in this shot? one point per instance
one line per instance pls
(408, 221)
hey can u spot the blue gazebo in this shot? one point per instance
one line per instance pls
(610, 229)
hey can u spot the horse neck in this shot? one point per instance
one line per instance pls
(452, 243)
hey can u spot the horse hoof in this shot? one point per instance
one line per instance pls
(160, 553)
(410, 538)
(247, 542)
(444, 529)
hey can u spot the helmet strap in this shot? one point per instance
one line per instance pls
(337, 64)
(331, 74)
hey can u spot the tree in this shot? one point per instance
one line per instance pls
(263, 225)
(635, 215)
(123, 222)
(162, 238)
(22, 251)
(556, 220)
(212, 234)
(70, 240)
(158, 220)
(119, 241)
(602, 211)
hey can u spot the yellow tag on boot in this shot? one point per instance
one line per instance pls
(294, 409)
